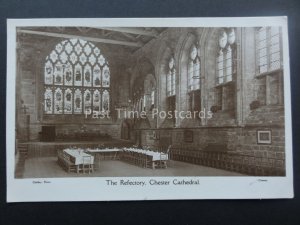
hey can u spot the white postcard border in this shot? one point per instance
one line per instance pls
(96, 189)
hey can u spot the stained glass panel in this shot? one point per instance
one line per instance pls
(75, 63)
(194, 69)
(105, 101)
(58, 74)
(173, 81)
(275, 49)
(83, 58)
(228, 64)
(77, 101)
(73, 58)
(268, 49)
(68, 74)
(101, 60)
(58, 101)
(152, 97)
(169, 83)
(78, 48)
(48, 101)
(263, 64)
(190, 74)
(225, 64)
(87, 102)
(87, 50)
(68, 101)
(105, 76)
(63, 57)
(82, 42)
(68, 47)
(196, 74)
(92, 60)
(97, 76)
(220, 67)
(96, 101)
(53, 56)
(58, 48)
(48, 73)
(144, 102)
(87, 75)
(275, 61)
(96, 51)
(74, 41)
(78, 75)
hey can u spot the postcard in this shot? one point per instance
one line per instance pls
(148, 109)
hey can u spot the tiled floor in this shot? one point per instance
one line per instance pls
(47, 167)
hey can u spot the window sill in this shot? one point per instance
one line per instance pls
(194, 91)
(229, 83)
(269, 73)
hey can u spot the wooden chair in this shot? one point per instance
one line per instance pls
(97, 161)
(149, 162)
(87, 164)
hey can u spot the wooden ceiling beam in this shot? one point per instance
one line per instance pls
(130, 31)
(93, 39)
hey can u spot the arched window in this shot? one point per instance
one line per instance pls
(226, 70)
(171, 88)
(194, 69)
(76, 79)
(171, 78)
(268, 49)
(152, 98)
(194, 79)
(269, 66)
(225, 63)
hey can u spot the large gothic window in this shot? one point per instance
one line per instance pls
(225, 62)
(269, 66)
(226, 67)
(194, 79)
(171, 87)
(194, 69)
(76, 79)
(268, 49)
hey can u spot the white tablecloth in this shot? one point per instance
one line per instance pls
(79, 156)
(98, 150)
(156, 156)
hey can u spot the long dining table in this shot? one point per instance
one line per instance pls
(157, 158)
(79, 157)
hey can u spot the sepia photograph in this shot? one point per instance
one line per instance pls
(175, 105)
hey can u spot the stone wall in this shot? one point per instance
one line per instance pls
(235, 126)
(29, 90)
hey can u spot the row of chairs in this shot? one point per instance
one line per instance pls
(136, 158)
(228, 161)
(108, 155)
(65, 161)
(82, 136)
(86, 166)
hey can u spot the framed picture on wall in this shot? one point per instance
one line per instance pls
(264, 137)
